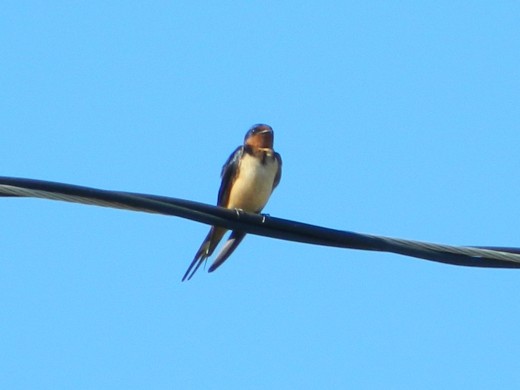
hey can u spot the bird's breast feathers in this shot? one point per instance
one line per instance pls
(254, 183)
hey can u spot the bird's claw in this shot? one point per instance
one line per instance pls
(264, 217)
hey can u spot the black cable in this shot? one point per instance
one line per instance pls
(264, 225)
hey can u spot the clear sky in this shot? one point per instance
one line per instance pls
(392, 118)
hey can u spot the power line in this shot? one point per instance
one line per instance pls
(263, 225)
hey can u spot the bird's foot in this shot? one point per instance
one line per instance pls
(264, 217)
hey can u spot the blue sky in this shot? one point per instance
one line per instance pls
(392, 118)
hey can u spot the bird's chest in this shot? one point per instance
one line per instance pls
(254, 184)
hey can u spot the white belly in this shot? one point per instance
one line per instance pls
(254, 184)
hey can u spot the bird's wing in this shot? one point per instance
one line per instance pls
(279, 173)
(228, 175)
(234, 239)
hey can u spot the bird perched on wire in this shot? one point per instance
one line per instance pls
(249, 176)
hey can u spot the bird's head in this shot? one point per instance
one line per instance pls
(260, 136)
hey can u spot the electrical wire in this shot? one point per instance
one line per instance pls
(264, 225)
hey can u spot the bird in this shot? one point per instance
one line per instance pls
(248, 178)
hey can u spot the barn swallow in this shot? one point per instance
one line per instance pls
(249, 176)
